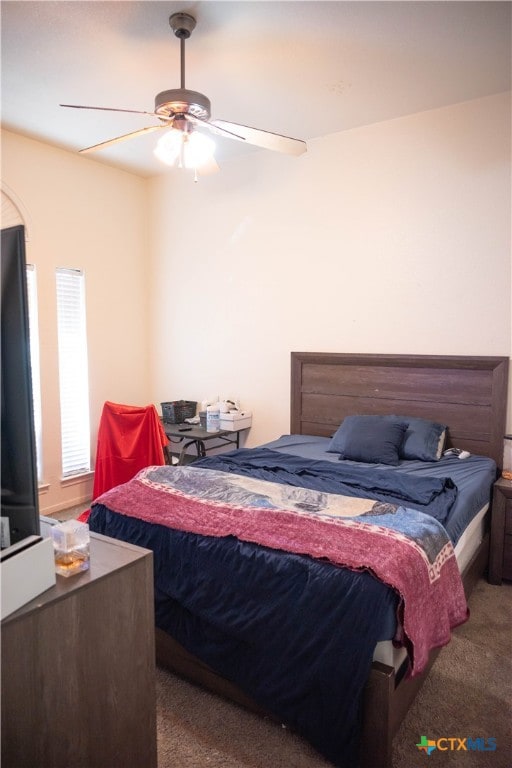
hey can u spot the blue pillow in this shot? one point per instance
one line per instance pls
(373, 439)
(423, 440)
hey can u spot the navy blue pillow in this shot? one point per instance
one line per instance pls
(373, 439)
(423, 440)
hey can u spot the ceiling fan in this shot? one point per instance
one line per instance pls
(182, 111)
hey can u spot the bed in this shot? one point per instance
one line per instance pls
(466, 393)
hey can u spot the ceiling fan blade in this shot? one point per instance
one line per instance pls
(131, 135)
(114, 109)
(261, 138)
(215, 128)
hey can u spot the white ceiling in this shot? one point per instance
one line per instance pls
(303, 69)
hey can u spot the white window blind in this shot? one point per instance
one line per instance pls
(73, 372)
(33, 322)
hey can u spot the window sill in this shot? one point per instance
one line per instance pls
(76, 479)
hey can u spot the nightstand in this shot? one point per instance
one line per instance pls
(500, 557)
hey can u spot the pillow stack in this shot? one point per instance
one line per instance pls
(388, 439)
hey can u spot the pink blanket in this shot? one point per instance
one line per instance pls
(406, 549)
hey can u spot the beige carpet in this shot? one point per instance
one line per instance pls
(467, 694)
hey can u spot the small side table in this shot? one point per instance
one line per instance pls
(183, 436)
(500, 556)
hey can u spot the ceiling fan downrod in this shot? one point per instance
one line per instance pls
(181, 101)
(182, 24)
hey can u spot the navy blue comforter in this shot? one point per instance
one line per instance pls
(296, 634)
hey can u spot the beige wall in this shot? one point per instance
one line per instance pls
(394, 237)
(86, 215)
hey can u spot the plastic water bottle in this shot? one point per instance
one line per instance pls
(213, 418)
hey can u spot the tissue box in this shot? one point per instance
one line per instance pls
(234, 420)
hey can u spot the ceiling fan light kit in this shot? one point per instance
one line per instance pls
(186, 150)
(183, 112)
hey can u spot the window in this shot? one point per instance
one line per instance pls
(33, 321)
(73, 372)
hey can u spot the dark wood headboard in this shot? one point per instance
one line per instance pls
(468, 394)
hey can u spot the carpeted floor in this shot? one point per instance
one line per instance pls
(467, 694)
(70, 513)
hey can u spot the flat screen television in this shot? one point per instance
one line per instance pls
(20, 507)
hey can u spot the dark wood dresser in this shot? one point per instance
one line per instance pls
(500, 557)
(78, 668)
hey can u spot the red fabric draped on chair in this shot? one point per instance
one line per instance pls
(130, 438)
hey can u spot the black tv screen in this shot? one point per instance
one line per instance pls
(20, 508)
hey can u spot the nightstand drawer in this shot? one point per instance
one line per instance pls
(508, 518)
(507, 558)
(500, 555)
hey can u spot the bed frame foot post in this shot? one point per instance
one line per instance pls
(376, 733)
